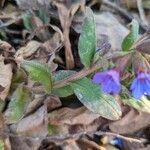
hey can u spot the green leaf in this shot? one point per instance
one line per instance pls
(66, 90)
(39, 72)
(27, 21)
(92, 97)
(141, 105)
(2, 145)
(43, 15)
(131, 37)
(17, 105)
(87, 40)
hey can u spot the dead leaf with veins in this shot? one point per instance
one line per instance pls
(5, 78)
(34, 125)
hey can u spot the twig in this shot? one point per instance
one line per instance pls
(141, 12)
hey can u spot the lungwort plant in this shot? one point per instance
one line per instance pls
(126, 75)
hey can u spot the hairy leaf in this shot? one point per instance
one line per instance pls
(39, 72)
(17, 105)
(27, 21)
(66, 90)
(131, 37)
(92, 97)
(87, 40)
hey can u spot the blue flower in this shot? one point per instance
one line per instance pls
(118, 142)
(109, 80)
(141, 85)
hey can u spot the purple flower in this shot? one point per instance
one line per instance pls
(141, 85)
(109, 80)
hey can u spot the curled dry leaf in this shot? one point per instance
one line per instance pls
(5, 78)
(66, 15)
(28, 50)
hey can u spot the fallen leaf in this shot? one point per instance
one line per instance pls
(36, 103)
(131, 122)
(34, 4)
(22, 143)
(72, 116)
(5, 78)
(35, 125)
(66, 13)
(52, 102)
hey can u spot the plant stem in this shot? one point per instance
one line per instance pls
(77, 76)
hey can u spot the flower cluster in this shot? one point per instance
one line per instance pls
(110, 83)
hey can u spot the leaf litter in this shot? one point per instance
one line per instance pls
(49, 51)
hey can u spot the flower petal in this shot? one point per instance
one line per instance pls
(146, 87)
(115, 75)
(134, 84)
(107, 86)
(137, 92)
(99, 77)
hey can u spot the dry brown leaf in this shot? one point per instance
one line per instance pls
(66, 13)
(41, 31)
(34, 125)
(34, 4)
(72, 116)
(5, 78)
(28, 50)
(35, 104)
(131, 122)
(20, 143)
(6, 49)
(52, 102)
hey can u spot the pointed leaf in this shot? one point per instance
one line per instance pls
(87, 40)
(131, 37)
(17, 105)
(39, 73)
(92, 97)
